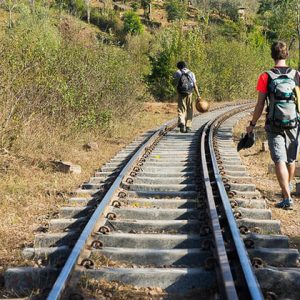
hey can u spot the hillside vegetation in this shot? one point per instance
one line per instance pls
(54, 66)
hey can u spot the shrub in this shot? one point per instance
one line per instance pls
(174, 44)
(161, 75)
(135, 6)
(230, 77)
(145, 4)
(62, 81)
(226, 8)
(231, 30)
(176, 10)
(75, 7)
(106, 20)
(132, 23)
(139, 46)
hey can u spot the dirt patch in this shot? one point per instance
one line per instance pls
(257, 162)
(101, 260)
(74, 30)
(113, 290)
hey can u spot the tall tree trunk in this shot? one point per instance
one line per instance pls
(11, 6)
(32, 5)
(88, 7)
(10, 18)
(149, 11)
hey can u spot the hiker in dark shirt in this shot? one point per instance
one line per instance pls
(185, 81)
(276, 88)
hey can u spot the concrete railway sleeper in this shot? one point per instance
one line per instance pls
(154, 217)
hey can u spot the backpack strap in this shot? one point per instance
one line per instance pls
(292, 74)
(188, 73)
(272, 75)
(182, 72)
(275, 73)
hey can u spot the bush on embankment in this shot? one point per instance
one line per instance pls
(45, 76)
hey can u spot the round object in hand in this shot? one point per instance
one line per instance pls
(202, 106)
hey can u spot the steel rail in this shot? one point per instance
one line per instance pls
(227, 283)
(251, 280)
(62, 280)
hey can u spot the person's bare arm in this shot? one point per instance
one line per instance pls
(196, 90)
(257, 111)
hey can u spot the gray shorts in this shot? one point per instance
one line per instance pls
(283, 145)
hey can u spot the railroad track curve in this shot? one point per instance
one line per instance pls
(174, 213)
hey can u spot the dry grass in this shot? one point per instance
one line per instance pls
(3, 21)
(75, 30)
(257, 163)
(102, 289)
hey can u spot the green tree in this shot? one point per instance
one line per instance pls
(134, 6)
(176, 9)
(161, 75)
(226, 8)
(279, 18)
(232, 30)
(75, 7)
(267, 5)
(234, 79)
(10, 6)
(132, 23)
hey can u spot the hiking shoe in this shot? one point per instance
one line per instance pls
(182, 128)
(188, 129)
(285, 204)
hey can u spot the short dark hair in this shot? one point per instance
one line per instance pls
(181, 65)
(279, 50)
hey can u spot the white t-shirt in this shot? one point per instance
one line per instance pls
(178, 74)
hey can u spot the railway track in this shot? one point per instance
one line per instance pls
(171, 211)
